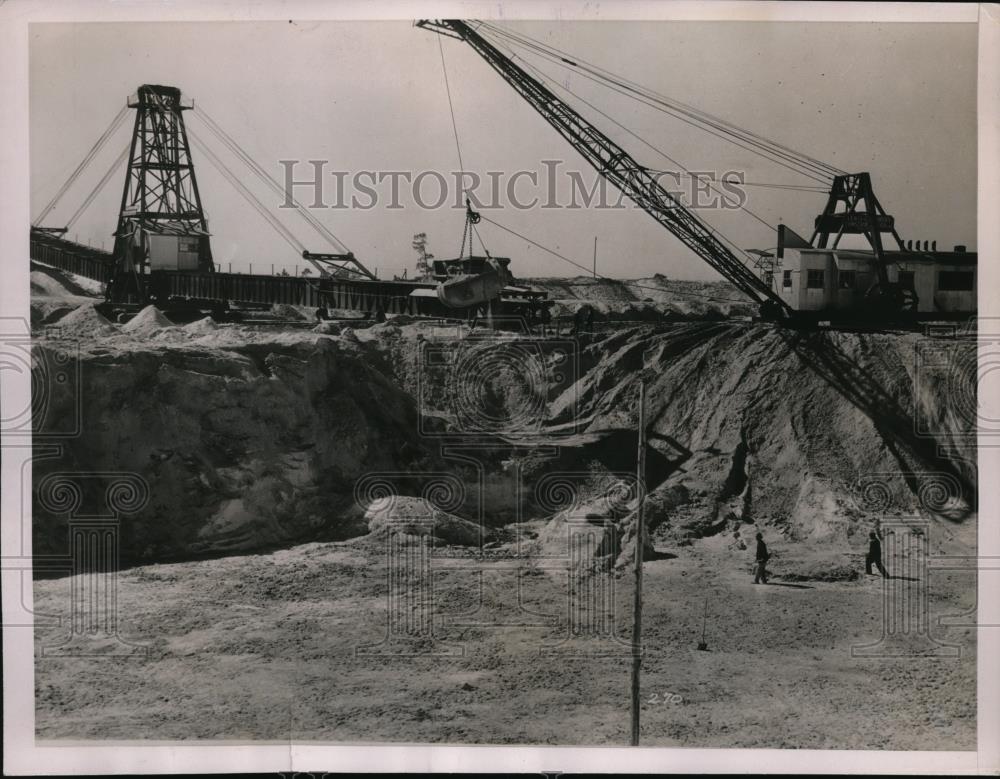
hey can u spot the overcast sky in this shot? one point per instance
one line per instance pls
(894, 99)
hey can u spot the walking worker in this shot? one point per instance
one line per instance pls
(760, 561)
(874, 555)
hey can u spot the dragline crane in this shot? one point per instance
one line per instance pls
(642, 185)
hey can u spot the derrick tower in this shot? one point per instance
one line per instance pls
(161, 223)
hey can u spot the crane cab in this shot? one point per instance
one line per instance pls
(844, 267)
(825, 280)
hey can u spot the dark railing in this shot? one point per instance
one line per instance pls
(239, 289)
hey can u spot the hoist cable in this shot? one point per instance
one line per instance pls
(721, 236)
(451, 109)
(258, 170)
(803, 164)
(100, 185)
(88, 158)
(563, 57)
(219, 165)
(654, 148)
(796, 167)
(788, 162)
(606, 278)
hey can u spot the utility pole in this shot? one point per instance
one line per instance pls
(595, 256)
(640, 542)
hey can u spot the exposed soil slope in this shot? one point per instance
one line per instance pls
(648, 299)
(258, 439)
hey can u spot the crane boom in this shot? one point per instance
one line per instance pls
(616, 165)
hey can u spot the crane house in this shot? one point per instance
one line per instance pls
(812, 279)
(821, 275)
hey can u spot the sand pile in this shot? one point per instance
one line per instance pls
(200, 327)
(43, 283)
(56, 282)
(286, 311)
(409, 516)
(385, 330)
(811, 434)
(582, 534)
(86, 321)
(648, 299)
(327, 328)
(147, 322)
(54, 294)
(815, 435)
(244, 446)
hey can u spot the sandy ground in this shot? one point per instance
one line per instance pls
(648, 299)
(253, 438)
(264, 647)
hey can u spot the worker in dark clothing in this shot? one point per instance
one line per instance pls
(874, 555)
(760, 564)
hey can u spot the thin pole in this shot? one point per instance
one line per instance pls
(595, 256)
(704, 621)
(640, 541)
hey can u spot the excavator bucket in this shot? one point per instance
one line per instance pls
(471, 289)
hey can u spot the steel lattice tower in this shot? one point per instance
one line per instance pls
(160, 196)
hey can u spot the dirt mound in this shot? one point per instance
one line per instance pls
(85, 321)
(47, 311)
(201, 326)
(769, 426)
(327, 328)
(581, 535)
(385, 330)
(240, 448)
(812, 436)
(47, 284)
(286, 311)
(54, 294)
(660, 509)
(648, 299)
(59, 283)
(410, 516)
(147, 322)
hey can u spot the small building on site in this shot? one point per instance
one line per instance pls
(174, 252)
(812, 276)
(166, 245)
(811, 279)
(839, 268)
(175, 245)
